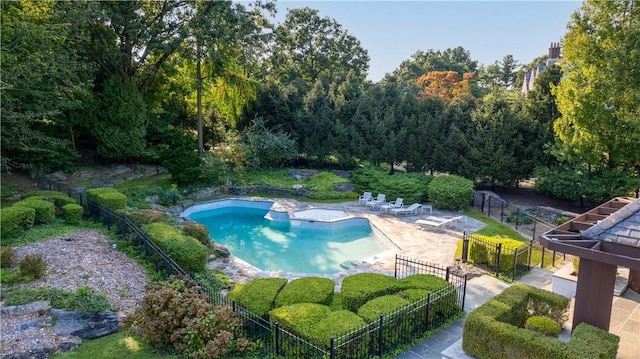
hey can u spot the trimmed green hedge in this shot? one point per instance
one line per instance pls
(59, 199)
(499, 323)
(306, 290)
(357, 289)
(14, 220)
(335, 324)
(300, 317)
(543, 325)
(259, 295)
(45, 211)
(72, 213)
(450, 192)
(373, 309)
(479, 253)
(197, 231)
(423, 281)
(187, 251)
(588, 341)
(108, 196)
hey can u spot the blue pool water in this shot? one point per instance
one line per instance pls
(286, 246)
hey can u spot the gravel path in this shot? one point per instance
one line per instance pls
(81, 259)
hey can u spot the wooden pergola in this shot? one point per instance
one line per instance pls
(604, 238)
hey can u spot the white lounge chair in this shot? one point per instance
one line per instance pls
(412, 209)
(441, 222)
(366, 197)
(375, 203)
(390, 205)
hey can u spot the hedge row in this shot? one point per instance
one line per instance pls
(109, 197)
(479, 253)
(302, 305)
(499, 323)
(187, 251)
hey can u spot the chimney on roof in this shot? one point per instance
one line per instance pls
(554, 50)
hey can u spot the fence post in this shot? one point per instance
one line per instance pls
(542, 261)
(535, 222)
(530, 253)
(447, 275)
(277, 338)
(428, 310)
(502, 214)
(333, 349)
(465, 247)
(108, 218)
(489, 208)
(395, 268)
(482, 206)
(515, 264)
(498, 254)
(380, 336)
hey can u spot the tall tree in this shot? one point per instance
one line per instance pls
(41, 81)
(457, 59)
(308, 46)
(598, 95)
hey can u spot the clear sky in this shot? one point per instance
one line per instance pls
(392, 31)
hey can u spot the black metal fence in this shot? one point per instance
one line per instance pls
(531, 225)
(391, 331)
(494, 258)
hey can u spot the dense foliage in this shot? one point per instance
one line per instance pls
(176, 314)
(211, 88)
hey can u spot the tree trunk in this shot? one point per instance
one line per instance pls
(199, 100)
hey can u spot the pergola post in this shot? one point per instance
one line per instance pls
(594, 293)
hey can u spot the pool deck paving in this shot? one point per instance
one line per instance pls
(437, 246)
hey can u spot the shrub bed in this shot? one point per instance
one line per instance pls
(260, 294)
(187, 251)
(499, 323)
(306, 290)
(358, 289)
(15, 219)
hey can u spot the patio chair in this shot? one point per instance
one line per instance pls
(390, 205)
(412, 209)
(366, 197)
(375, 203)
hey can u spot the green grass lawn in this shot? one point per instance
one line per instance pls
(117, 345)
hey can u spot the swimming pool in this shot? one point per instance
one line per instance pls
(311, 241)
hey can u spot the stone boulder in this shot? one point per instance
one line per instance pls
(343, 187)
(221, 251)
(120, 170)
(86, 325)
(302, 174)
(341, 173)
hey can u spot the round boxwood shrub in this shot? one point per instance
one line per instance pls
(72, 213)
(260, 294)
(450, 192)
(306, 290)
(59, 199)
(335, 324)
(300, 317)
(543, 325)
(373, 309)
(15, 219)
(360, 288)
(45, 211)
